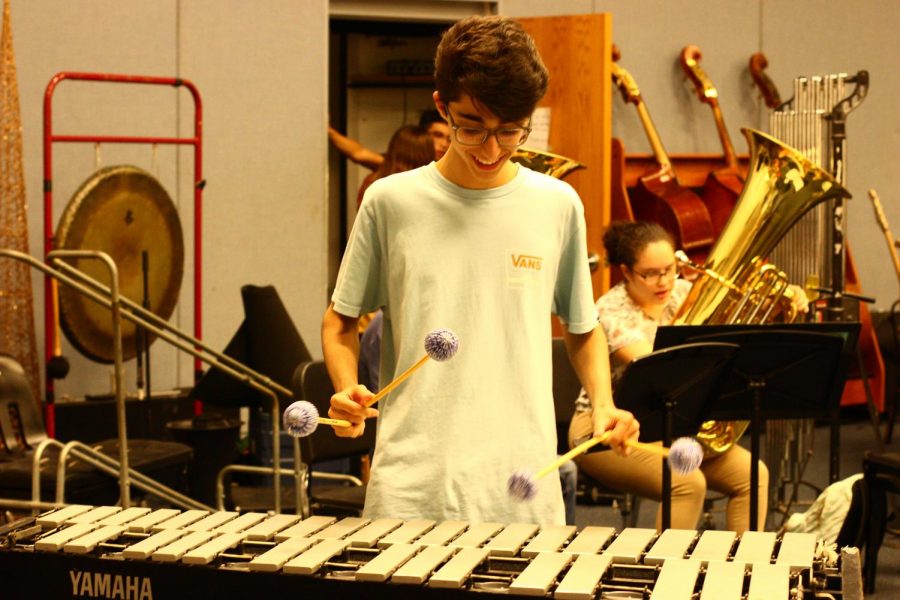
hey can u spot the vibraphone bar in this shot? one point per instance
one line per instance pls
(106, 552)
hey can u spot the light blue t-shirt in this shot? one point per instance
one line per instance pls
(491, 266)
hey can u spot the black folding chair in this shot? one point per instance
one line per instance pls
(329, 491)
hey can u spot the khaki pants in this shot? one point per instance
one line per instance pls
(640, 473)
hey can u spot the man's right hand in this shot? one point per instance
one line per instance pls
(349, 405)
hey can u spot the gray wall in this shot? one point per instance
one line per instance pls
(261, 68)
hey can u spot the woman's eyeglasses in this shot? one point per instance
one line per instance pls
(654, 277)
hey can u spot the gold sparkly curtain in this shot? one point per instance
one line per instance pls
(17, 335)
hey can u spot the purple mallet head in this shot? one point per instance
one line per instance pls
(685, 455)
(300, 418)
(522, 486)
(441, 344)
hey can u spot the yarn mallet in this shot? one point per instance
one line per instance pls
(684, 456)
(440, 345)
(302, 417)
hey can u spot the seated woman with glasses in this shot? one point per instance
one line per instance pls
(630, 313)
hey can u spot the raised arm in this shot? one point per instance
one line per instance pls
(354, 151)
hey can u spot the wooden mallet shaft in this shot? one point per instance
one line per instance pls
(400, 379)
(590, 443)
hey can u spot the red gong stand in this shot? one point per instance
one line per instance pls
(50, 138)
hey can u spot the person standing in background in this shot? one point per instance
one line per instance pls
(410, 147)
(430, 120)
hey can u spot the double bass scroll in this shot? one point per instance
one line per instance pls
(757, 66)
(658, 195)
(723, 185)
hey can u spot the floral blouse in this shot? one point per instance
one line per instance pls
(624, 324)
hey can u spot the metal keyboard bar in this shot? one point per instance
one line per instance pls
(242, 523)
(509, 541)
(540, 574)
(590, 540)
(629, 545)
(676, 580)
(55, 541)
(126, 516)
(58, 517)
(671, 543)
(147, 522)
(797, 550)
(211, 522)
(476, 535)
(268, 528)
(423, 564)
(96, 514)
(724, 581)
(273, 559)
(407, 532)
(459, 568)
(145, 548)
(177, 549)
(769, 581)
(312, 560)
(550, 539)
(369, 535)
(443, 533)
(305, 528)
(182, 520)
(582, 579)
(341, 529)
(88, 542)
(714, 545)
(206, 553)
(756, 547)
(387, 562)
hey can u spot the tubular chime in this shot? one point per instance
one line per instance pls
(806, 122)
(813, 251)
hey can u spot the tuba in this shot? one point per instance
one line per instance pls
(736, 284)
(547, 163)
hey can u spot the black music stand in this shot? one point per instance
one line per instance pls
(669, 391)
(780, 372)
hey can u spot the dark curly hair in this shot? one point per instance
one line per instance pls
(493, 60)
(625, 240)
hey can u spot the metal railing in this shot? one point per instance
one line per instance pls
(122, 307)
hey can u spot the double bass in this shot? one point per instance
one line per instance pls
(722, 186)
(658, 196)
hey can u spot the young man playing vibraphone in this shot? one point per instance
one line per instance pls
(487, 249)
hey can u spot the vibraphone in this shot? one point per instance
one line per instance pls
(106, 552)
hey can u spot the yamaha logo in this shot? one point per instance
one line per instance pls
(90, 584)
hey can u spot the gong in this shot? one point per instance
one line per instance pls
(122, 211)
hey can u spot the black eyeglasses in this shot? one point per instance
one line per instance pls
(507, 137)
(654, 277)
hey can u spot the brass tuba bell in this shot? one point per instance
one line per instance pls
(736, 285)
